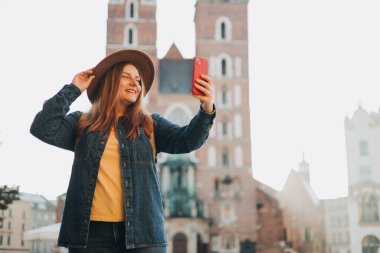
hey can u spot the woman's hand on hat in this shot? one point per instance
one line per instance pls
(83, 79)
(206, 87)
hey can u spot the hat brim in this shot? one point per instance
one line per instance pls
(142, 62)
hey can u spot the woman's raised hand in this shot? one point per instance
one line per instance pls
(83, 79)
(206, 87)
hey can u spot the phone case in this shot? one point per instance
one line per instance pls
(200, 66)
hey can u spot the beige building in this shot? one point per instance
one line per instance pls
(31, 211)
(362, 132)
(16, 219)
(205, 205)
(336, 225)
(303, 214)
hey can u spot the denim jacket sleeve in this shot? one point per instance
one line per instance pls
(52, 124)
(171, 138)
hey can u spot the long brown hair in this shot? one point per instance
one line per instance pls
(102, 115)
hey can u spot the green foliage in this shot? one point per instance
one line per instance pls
(8, 195)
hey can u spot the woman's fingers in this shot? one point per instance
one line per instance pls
(205, 86)
(205, 91)
(208, 79)
(90, 78)
(87, 72)
(83, 79)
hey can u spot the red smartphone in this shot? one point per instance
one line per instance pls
(200, 66)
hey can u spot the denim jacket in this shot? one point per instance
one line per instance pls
(144, 221)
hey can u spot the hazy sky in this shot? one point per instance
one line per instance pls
(311, 63)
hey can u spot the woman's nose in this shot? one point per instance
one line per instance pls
(134, 82)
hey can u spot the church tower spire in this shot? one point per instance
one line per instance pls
(304, 170)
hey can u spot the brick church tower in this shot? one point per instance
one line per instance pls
(132, 24)
(208, 195)
(225, 167)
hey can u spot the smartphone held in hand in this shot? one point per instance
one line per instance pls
(200, 67)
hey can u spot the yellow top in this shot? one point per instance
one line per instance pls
(108, 197)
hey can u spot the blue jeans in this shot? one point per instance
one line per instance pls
(109, 237)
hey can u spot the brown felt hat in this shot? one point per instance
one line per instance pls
(141, 61)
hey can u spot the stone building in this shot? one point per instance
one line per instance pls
(363, 161)
(303, 214)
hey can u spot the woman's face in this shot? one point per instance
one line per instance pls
(129, 86)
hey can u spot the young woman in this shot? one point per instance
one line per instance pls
(113, 202)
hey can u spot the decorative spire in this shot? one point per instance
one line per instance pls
(304, 170)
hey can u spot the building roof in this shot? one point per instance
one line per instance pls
(173, 53)
(273, 193)
(37, 201)
(295, 177)
(363, 117)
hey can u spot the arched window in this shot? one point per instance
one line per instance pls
(370, 210)
(236, 187)
(224, 67)
(225, 158)
(202, 246)
(224, 127)
(370, 244)
(130, 35)
(131, 10)
(239, 162)
(224, 96)
(212, 157)
(247, 246)
(179, 114)
(223, 31)
(229, 241)
(217, 187)
(238, 126)
(180, 243)
(237, 94)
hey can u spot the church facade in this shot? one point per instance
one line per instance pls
(362, 133)
(208, 195)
